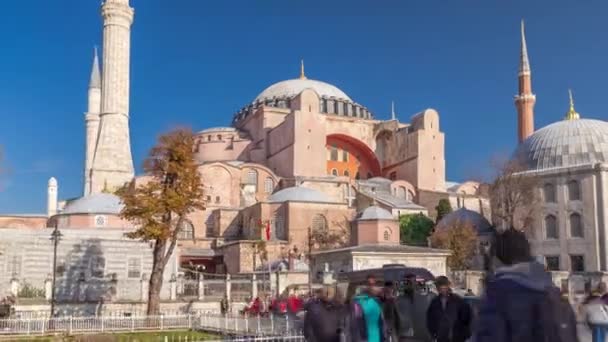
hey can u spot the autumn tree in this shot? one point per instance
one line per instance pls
(158, 206)
(414, 229)
(460, 239)
(513, 195)
(443, 208)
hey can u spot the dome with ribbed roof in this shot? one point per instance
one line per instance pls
(100, 203)
(375, 213)
(291, 88)
(464, 215)
(565, 143)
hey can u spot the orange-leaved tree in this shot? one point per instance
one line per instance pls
(158, 207)
(461, 239)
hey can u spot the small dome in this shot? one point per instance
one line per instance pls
(291, 88)
(480, 223)
(100, 203)
(565, 143)
(299, 194)
(375, 213)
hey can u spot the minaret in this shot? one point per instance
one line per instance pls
(112, 161)
(393, 115)
(524, 101)
(51, 197)
(92, 121)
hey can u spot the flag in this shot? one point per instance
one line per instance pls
(267, 231)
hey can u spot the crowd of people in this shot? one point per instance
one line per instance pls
(520, 304)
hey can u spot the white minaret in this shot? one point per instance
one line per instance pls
(112, 161)
(92, 122)
(51, 197)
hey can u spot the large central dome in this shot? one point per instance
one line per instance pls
(291, 88)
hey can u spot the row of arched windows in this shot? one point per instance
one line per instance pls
(575, 222)
(252, 179)
(337, 154)
(573, 187)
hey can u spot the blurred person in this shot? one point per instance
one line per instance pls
(366, 316)
(323, 321)
(521, 303)
(390, 311)
(449, 316)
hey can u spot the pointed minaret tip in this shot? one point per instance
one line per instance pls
(302, 75)
(524, 62)
(393, 115)
(95, 81)
(572, 114)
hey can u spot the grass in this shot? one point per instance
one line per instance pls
(154, 336)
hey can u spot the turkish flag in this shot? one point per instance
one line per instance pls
(267, 230)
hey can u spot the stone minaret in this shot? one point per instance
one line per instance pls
(51, 197)
(92, 122)
(524, 101)
(112, 162)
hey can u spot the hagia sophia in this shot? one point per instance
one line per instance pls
(304, 155)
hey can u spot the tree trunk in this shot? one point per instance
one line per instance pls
(156, 278)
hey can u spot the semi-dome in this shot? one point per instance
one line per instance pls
(291, 88)
(565, 143)
(299, 194)
(375, 213)
(100, 203)
(464, 215)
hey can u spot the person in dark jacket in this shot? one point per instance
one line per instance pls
(390, 311)
(323, 319)
(449, 316)
(514, 307)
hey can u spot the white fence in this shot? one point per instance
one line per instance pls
(242, 326)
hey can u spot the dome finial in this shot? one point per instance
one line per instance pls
(572, 114)
(302, 75)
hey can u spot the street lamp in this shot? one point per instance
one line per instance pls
(55, 237)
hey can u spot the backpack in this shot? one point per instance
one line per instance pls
(556, 318)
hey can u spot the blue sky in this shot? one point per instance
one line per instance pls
(196, 62)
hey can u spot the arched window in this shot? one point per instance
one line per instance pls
(319, 222)
(551, 229)
(549, 193)
(268, 185)
(252, 177)
(208, 138)
(576, 226)
(219, 137)
(344, 155)
(393, 176)
(387, 234)
(186, 231)
(346, 173)
(333, 153)
(217, 199)
(574, 191)
(401, 192)
(410, 195)
(279, 227)
(334, 172)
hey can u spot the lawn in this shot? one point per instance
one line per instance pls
(155, 336)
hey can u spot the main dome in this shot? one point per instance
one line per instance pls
(565, 143)
(291, 88)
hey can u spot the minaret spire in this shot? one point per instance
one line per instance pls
(393, 115)
(525, 99)
(95, 81)
(302, 75)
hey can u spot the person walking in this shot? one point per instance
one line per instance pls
(324, 317)
(449, 316)
(521, 303)
(366, 321)
(390, 311)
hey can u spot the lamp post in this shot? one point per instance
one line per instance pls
(55, 237)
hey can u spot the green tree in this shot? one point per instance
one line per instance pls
(414, 229)
(443, 208)
(461, 240)
(159, 205)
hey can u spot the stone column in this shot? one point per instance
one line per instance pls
(173, 287)
(15, 287)
(144, 285)
(254, 286)
(48, 287)
(201, 286)
(228, 287)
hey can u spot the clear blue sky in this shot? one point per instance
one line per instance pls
(196, 62)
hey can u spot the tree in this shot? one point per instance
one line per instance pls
(460, 239)
(325, 238)
(414, 229)
(160, 205)
(443, 208)
(513, 195)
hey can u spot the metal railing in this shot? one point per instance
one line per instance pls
(224, 325)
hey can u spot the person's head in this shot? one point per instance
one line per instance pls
(371, 280)
(328, 293)
(410, 281)
(442, 283)
(511, 247)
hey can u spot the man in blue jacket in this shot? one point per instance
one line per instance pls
(521, 303)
